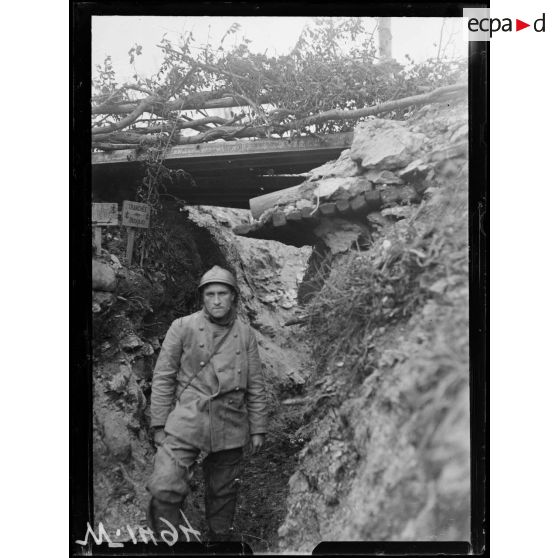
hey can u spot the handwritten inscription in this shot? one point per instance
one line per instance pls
(135, 214)
(169, 536)
(104, 214)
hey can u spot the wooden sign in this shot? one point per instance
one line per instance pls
(135, 214)
(104, 214)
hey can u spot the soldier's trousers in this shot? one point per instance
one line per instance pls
(169, 486)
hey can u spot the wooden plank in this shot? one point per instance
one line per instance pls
(135, 214)
(97, 239)
(105, 214)
(259, 204)
(130, 245)
(234, 149)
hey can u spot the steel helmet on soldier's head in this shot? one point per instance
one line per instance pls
(218, 275)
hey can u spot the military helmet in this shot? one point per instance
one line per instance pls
(218, 275)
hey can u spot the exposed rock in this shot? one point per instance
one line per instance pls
(119, 382)
(116, 436)
(343, 166)
(339, 234)
(456, 150)
(392, 195)
(147, 349)
(341, 188)
(377, 176)
(302, 203)
(298, 483)
(103, 277)
(384, 144)
(115, 261)
(376, 220)
(142, 367)
(415, 172)
(101, 300)
(131, 342)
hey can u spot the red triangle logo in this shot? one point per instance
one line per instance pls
(519, 25)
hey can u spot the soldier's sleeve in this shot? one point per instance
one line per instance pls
(256, 399)
(164, 376)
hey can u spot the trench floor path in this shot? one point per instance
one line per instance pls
(261, 505)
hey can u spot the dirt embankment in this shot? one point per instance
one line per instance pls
(132, 309)
(386, 411)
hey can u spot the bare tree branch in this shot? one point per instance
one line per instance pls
(140, 109)
(228, 132)
(202, 100)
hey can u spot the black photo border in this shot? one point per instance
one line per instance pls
(81, 489)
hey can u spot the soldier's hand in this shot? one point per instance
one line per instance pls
(158, 436)
(257, 442)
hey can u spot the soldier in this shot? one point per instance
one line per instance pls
(210, 369)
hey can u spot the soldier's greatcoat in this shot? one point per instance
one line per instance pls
(226, 402)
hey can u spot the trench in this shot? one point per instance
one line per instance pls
(373, 445)
(164, 290)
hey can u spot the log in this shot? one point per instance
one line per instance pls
(262, 203)
(200, 100)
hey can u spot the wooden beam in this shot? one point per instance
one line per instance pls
(259, 204)
(233, 149)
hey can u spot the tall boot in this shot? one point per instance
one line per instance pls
(158, 509)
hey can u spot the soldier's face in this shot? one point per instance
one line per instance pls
(218, 299)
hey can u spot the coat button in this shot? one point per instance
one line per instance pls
(238, 371)
(237, 352)
(202, 363)
(201, 328)
(236, 388)
(235, 335)
(202, 345)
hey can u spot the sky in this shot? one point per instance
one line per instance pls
(115, 35)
